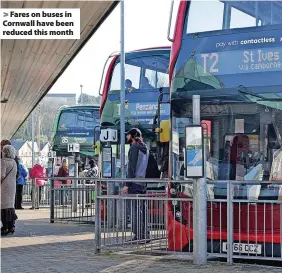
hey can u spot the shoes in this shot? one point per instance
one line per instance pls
(11, 231)
(7, 231)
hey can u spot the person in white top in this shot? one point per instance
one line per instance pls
(93, 172)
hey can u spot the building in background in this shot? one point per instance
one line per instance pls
(45, 147)
(24, 151)
(68, 99)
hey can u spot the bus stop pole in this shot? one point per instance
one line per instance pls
(121, 204)
(75, 184)
(199, 202)
(33, 189)
(122, 92)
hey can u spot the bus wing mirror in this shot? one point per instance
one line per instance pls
(97, 147)
(169, 22)
(164, 131)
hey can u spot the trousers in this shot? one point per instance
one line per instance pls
(19, 196)
(138, 216)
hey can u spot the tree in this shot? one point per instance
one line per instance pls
(89, 99)
(24, 131)
(47, 110)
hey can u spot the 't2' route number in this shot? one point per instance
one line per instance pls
(212, 57)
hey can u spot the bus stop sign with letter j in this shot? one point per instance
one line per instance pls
(109, 135)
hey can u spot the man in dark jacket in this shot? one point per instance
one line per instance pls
(138, 156)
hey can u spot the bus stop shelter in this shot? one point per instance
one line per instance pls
(29, 68)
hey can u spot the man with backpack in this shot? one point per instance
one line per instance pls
(138, 157)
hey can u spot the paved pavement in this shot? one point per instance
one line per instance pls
(38, 246)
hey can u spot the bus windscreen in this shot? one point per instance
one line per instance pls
(78, 119)
(146, 77)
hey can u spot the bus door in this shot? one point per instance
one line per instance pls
(163, 133)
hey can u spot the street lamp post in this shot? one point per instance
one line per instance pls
(81, 97)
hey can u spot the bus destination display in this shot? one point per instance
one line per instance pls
(241, 61)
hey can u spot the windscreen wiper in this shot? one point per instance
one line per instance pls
(249, 93)
(271, 99)
(260, 98)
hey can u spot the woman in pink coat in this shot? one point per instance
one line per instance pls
(38, 172)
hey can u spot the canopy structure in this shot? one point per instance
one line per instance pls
(29, 68)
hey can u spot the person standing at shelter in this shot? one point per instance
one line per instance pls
(91, 174)
(93, 171)
(8, 142)
(21, 181)
(3, 143)
(8, 189)
(138, 157)
(38, 172)
(63, 173)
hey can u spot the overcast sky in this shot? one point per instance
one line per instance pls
(146, 24)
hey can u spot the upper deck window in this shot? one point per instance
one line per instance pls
(148, 72)
(206, 16)
(78, 119)
(131, 72)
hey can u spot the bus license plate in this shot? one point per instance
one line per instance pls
(244, 248)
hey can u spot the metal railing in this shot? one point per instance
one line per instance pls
(42, 195)
(27, 192)
(73, 202)
(244, 219)
(138, 222)
(256, 221)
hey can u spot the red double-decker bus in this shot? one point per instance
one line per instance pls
(146, 88)
(147, 105)
(229, 53)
